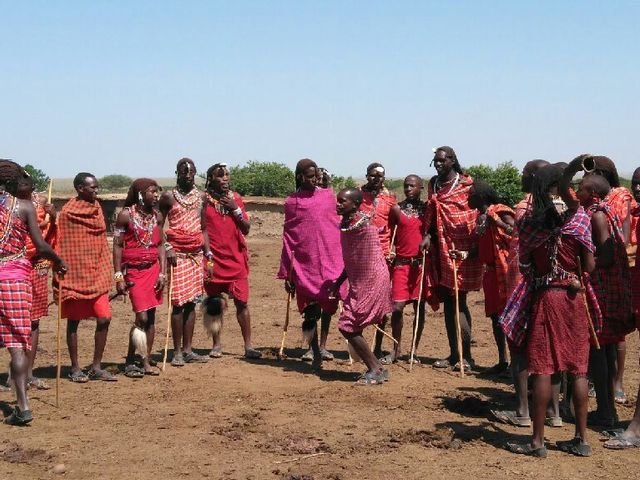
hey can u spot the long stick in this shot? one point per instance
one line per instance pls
(417, 319)
(458, 330)
(393, 237)
(58, 354)
(289, 296)
(592, 330)
(169, 312)
(390, 337)
(46, 217)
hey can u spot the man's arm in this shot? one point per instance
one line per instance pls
(122, 222)
(28, 215)
(602, 240)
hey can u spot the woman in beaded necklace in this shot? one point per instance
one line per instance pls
(140, 268)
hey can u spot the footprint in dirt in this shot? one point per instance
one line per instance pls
(469, 406)
(438, 438)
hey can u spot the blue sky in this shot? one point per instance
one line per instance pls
(131, 86)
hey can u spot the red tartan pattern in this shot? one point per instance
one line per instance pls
(40, 293)
(188, 278)
(448, 213)
(15, 316)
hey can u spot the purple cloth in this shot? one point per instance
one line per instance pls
(312, 231)
(369, 296)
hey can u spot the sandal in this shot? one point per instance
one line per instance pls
(466, 365)
(443, 363)
(621, 443)
(4, 388)
(554, 422)
(388, 359)
(38, 384)
(252, 353)
(416, 360)
(326, 355)
(19, 418)
(133, 371)
(620, 397)
(78, 377)
(192, 357)
(613, 433)
(308, 356)
(370, 378)
(152, 373)
(216, 352)
(575, 447)
(102, 375)
(177, 360)
(510, 417)
(527, 449)
(498, 369)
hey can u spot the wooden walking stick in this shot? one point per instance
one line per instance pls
(417, 318)
(47, 218)
(457, 297)
(286, 318)
(58, 353)
(592, 330)
(169, 312)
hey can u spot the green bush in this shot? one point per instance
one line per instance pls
(266, 179)
(40, 179)
(505, 179)
(338, 183)
(115, 182)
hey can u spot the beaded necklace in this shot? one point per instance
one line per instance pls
(11, 210)
(215, 202)
(145, 222)
(353, 223)
(454, 182)
(190, 201)
(412, 210)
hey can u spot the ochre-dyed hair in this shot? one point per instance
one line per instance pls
(139, 185)
(211, 171)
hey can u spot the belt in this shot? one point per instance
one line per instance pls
(413, 261)
(140, 266)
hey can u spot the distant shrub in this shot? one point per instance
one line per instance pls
(115, 182)
(338, 182)
(40, 179)
(266, 179)
(505, 179)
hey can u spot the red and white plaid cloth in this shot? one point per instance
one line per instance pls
(40, 289)
(449, 215)
(188, 278)
(15, 315)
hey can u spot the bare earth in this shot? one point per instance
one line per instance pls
(271, 419)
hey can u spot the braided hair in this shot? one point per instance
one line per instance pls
(10, 174)
(543, 211)
(138, 186)
(486, 193)
(211, 173)
(451, 154)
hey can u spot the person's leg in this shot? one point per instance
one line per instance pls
(396, 328)
(19, 366)
(450, 324)
(553, 408)
(611, 356)
(520, 376)
(35, 336)
(150, 332)
(244, 320)
(325, 322)
(377, 351)
(498, 336)
(541, 397)
(311, 315)
(176, 333)
(423, 312)
(359, 344)
(598, 371)
(581, 405)
(102, 330)
(188, 325)
(618, 386)
(72, 344)
(465, 327)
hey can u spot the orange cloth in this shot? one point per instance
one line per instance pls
(501, 248)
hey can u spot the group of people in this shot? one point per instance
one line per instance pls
(554, 271)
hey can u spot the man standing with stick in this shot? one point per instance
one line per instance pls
(182, 207)
(449, 220)
(18, 222)
(82, 240)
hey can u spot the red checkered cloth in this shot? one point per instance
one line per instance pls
(378, 208)
(612, 284)
(82, 243)
(501, 245)
(449, 216)
(621, 201)
(40, 289)
(15, 316)
(49, 230)
(188, 277)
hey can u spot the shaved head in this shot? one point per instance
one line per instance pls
(597, 184)
(417, 178)
(354, 194)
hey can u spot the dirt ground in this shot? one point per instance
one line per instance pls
(271, 419)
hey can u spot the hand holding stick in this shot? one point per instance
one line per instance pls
(457, 297)
(592, 330)
(289, 296)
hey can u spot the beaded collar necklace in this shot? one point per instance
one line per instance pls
(454, 183)
(412, 209)
(190, 201)
(145, 223)
(12, 207)
(214, 200)
(354, 223)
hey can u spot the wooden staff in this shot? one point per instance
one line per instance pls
(390, 337)
(47, 218)
(393, 237)
(169, 312)
(417, 318)
(286, 318)
(457, 297)
(592, 330)
(58, 353)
